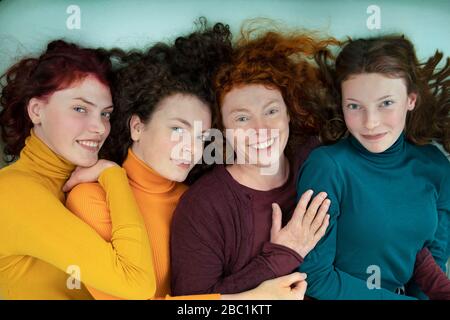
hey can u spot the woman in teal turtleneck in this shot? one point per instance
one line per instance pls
(389, 188)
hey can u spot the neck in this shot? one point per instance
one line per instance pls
(145, 178)
(253, 176)
(39, 158)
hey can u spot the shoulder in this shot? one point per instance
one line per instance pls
(329, 155)
(436, 166)
(210, 196)
(87, 198)
(207, 187)
(15, 183)
(432, 155)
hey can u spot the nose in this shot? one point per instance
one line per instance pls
(372, 119)
(260, 124)
(262, 127)
(187, 146)
(96, 125)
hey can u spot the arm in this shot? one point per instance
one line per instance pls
(88, 202)
(439, 247)
(430, 277)
(40, 226)
(325, 281)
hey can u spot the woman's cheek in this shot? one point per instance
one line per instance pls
(351, 121)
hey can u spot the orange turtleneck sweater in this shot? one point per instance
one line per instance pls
(41, 240)
(157, 198)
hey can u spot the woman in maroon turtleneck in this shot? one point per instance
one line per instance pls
(226, 235)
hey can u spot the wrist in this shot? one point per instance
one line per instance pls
(303, 253)
(247, 295)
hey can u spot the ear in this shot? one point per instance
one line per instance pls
(136, 127)
(412, 98)
(35, 108)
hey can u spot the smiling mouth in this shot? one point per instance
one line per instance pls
(374, 137)
(184, 164)
(263, 145)
(90, 145)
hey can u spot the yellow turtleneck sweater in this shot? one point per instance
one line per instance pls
(41, 240)
(157, 198)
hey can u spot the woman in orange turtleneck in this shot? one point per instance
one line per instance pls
(158, 129)
(55, 115)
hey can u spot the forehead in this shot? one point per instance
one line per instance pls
(370, 86)
(183, 106)
(88, 88)
(250, 96)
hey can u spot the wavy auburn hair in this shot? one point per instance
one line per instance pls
(284, 61)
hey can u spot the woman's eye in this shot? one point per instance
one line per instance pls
(205, 136)
(242, 119)
(387, 103)
(107, 114)
(272, 111)
(353, 106)
(177, 129)
(80, 109)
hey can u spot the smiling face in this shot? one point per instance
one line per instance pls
(74, 122)
(262, 113)
(375, 109)
(171, 142)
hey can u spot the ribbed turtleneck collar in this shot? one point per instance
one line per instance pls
(143, 177)
(391, 154)
(39, 158)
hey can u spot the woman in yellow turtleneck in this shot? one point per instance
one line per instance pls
(56, 114)
(158, 128)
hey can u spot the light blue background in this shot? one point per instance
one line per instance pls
(26, 26)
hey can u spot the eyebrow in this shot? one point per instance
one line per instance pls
(270, 102)
(182, 121)
(381, 98)
(240, 110)
(90, 103)
(265, 106)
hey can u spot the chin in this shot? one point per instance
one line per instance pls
(177, 177)
(85, 162)
(377, 149)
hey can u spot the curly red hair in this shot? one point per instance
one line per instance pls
(284, 62)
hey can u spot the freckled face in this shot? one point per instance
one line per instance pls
(375, 109)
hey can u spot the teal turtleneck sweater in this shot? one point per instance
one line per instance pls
(385, 207)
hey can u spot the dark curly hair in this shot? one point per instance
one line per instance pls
(146, 78)
(61, 65)
(395, 57)
(284, 61)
